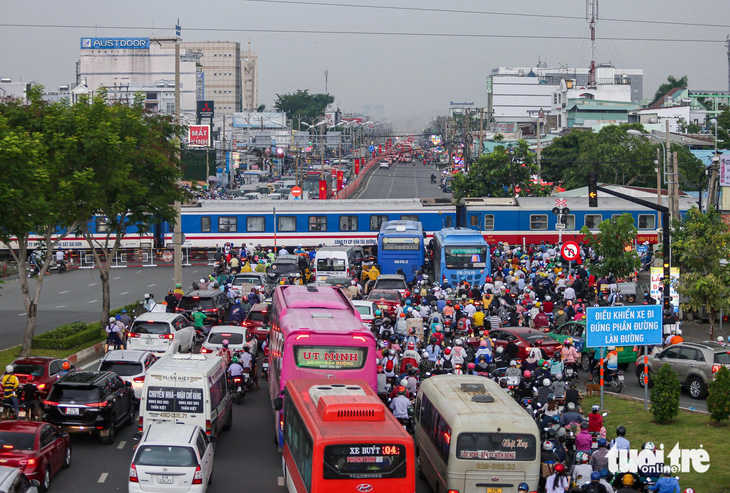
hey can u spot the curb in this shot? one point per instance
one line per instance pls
(641, 400)
(86, 354)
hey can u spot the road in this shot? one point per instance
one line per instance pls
(401, 181)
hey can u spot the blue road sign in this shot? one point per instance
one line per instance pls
(371, 149)
(624, 326)
(641, 248)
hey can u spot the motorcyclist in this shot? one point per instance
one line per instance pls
(569, 353)
(114, 333)
(149, 303)
(595, 420)
(199, 319)
(543, 392)
(595, 485)
(583, 440)
(482, 365)
(224, 352)
(599, 459)
(458, 352)
(581, 470)
(484, 350)
(558, 387)
(447, 361)
(525, 386)
(410, 357)
(512, 371)
(570, 415)
(235, 369)
(11, 386)
(559, 481)
(620, 442)
(400, 404)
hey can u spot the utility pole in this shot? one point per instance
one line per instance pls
(481, 132)
(675, 203)
(177, 237)
(670, 177)
(539, 155)
(658, 178)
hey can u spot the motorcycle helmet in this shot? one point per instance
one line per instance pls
(378, 313)
(404, 382)
(595, 476)
(558, 376)
(424, 354)
(620, 430)
(124, 310)
(9, 369)
(628, 480)
(458, 342)
(66, 365)
(546, 382)
(503, 383)
(401, 390)
(471, 366)
(547, 446)
(523, 487)
(559, 468)
(225, 342)
(570, 406)
(611, 348)
(513, 363)
(447, 351)
(234, 359)
(568, 341)
(112, 320)
(393, 338)
(118, 317)
(527, 374)
(595, 408)
(602, 442)
(648, 446)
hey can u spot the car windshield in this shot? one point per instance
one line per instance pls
(238, 280)
(77, 393)
(35, 370)
(256, 316)
(386, 295)
(331, 265)
(122, 368)
(284, 268)
(363, 310)
(149, 327)
(165, 455)
(391, 284)
(722, 358)
(531, 338)
(16, 441)
(193, 302)
(218, 337)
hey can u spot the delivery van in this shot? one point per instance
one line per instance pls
(336, 261)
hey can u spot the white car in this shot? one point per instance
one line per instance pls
(367, 311)
(235, 334)
(384, 164)
(172, 458)
(130, 365)
(161, 333)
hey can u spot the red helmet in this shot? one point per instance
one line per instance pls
(527, 374)
(447, 350)
(411, 345)
(471, 366)
(559, 468)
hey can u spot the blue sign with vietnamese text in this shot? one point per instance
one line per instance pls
(115, 43)
(624, 326)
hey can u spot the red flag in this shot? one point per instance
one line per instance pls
(322, 189)
(380, 148)
(357, 166)
(340, 180)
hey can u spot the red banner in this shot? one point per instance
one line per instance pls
(380, 149)
(322, 189)
(340, 180)
(357, 166)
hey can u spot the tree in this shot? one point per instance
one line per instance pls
(301, 105)
(665, 395)
(505, 172)
(700, 249)
(718, 396)
(670, 84)
(611, 243)
(41, 189)
(133, 156)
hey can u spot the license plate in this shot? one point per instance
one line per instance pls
(164, 479)
(266, 366)
(72, 410)
(148, 341)
(21, 413)
(619, 349)
(621, 378)
(494, 490)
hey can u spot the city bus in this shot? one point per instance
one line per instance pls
(316, 332)
(401, 245)
(469, 433)
(460, 254)
(341, 437)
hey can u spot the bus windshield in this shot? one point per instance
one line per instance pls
(466, 257)
(360, 461)
(496, 446)
(330, 358)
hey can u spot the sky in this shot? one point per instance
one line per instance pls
(449, 50)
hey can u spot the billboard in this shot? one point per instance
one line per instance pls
(725, 170)
(260, 120)
(657, 273)
(115, 43)
(624, 326)
(199, 136)
(205, 109)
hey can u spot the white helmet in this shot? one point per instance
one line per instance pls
(458, 342)
(112, 320)
(404, 382)
(720, 339)
(612, 348)
(9, 369)
(679, 332)
(513, 363)
(146, 296)
(546, 382)
(202, 280)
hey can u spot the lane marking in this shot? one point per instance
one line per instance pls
(61, 306)
(87, 365)
(138, 272)
(121, 445)
(62, 292)
(118, 277)
(92, 284)
(280, 481)
(151, 285)
(93, 301)
(126, 292)
(103, 477)
(21, 314)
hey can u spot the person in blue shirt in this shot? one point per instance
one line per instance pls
(666, 484)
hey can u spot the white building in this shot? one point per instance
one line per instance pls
(10, 89)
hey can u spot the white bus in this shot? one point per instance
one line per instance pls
(472, 437)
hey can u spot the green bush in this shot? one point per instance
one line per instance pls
(665, 395)
(67, 336)
(718, 397)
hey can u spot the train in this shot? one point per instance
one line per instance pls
(311, 223)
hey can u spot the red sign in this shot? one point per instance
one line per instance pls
(322, 189)
(357, 166)
(199, 136)
(380, 148)
(296, 192)
(570, 250)
(340, 180)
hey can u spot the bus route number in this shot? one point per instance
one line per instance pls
(496, 466)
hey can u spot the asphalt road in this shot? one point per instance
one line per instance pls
(401, 181)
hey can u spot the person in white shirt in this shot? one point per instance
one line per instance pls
(569, 294)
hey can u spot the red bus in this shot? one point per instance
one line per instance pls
(340, 437)
(316, 332)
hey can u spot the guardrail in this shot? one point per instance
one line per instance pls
(352, 186)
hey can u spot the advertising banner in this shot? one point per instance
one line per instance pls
(656, 283)
(329, 358)
(115, 43)
(199, 136)
(206, 109)
(725, 170)
(340, 180)
(357, 166)
(175, 400)
(623, 326)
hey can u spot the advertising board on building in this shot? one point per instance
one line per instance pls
(656, 282)
(199, 136)
(206, 109)
(725, 170)
(115, 43)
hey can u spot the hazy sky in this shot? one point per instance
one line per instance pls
(413, 77)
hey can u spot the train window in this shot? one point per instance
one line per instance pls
(376, 221)
(593, 220)
(409, 217)
(287, 223)
(488, 222)
(538, 221)
(474, 220)
(227, 224)
(348, 223)
(447, 222)
(255, 224)
(647, 221)
(205, 224)
(571, 222)
(317, 223)
(101, 226)
(614, 217)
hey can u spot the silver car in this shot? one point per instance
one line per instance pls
(13, 479)
(130, 365)
(234, 334)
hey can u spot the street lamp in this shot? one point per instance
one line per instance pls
(638, 133)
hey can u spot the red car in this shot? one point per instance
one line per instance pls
(525, 338)
(257, 321)
(38, 449)
(389, 299)
(41, 371)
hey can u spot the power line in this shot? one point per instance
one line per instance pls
(485, 12)
(367, 33)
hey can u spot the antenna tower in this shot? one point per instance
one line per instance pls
(591, 18)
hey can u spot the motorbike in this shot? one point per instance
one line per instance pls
(265, 367)
(613, 379)
(237, 387)
(33, 270)
(8, 411)
(59, 266)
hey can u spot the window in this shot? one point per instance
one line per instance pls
(300, 444)
(474, 220)
(569, 221)
(348, 223)
(201, 442)
(255, 223)
(647, 221)
(409, 217)
(287, 223)
(218, 392)
(614, 217)
(436, 428)
(593, 220)
(227, 224)
(101, 226)
(205, 224)
(447, 222)
(538, 221)
(55, 367)
(317, 223)
(672, 353)
(376, 221)
(488, 222)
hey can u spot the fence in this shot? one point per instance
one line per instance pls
(353, 185)
(146, 257)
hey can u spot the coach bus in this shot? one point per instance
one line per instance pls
(469, 433)
(316, 332)
(341, 437)
(460, 254)
(401, 245)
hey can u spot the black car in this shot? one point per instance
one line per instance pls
(285, 266)
(91, 401)
(215, 304)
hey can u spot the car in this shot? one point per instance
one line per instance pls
(335, 282)
(366, 309)
(576, 330)
(130, 365)
(386, 299)
(284, 266)
(96, 402)
(384, 165)
(525, 338)
(695, 363)
(161, 333)
(235, 335)
(258, 279)
(257, 321)
(41, 371)
(391, 281)
(39, 450)
(215, 304)
(172, 457)
(13, 480)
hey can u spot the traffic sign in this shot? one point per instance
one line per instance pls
(570, 250)
(559, 226)
(623, 326)
(371, 148)
(296, 192)
(167, 256)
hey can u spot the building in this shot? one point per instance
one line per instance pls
(250, 67)
(676, 107)
(10, 89)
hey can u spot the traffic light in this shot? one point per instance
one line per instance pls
(592, 190)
